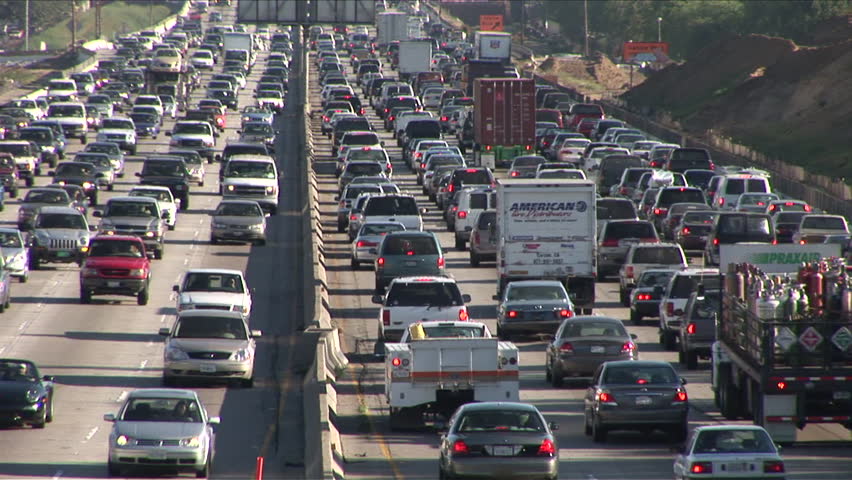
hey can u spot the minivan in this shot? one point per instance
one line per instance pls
(729, 188)
(405, 253)
(737, 227)
(471, 201)
(466, 177)
(394, 208)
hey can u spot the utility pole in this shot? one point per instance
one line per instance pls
(523, 21)
(27, 25)
(98, 21)
(586, 25)
(150, 12)
(73, 26)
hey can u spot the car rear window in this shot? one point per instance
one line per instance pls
(353, 191)
(415, 294)
(654, 278)
(391, 205)
(423, 129)
(472, 177)
(634, 174)
(671, 196)
(789, 217)
(586, 109)
(485, 219)
(658, 255)
(826, 223)
(617, 231)
(699, 217)
(503, 421)
(479, 201)
(640, 374)
(409, 245)
(742, 224)
(736, 186)
(361, 139)
(359, 169)
(684, 285)
(615, 210)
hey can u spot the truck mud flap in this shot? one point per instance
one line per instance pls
(581, 290)
(447, 401)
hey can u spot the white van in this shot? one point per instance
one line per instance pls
(730, 187)
(471, 201)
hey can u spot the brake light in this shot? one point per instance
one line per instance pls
(463, 316)
(680, 396)
(628, 347)
(721, 201)
(685, 230)
(440, 262)
(690, 329)
(566, 348)
(512, 314)
(629, 271)
(386, 321)
(380, 261)
(808, 208)
(773, 466)
(605, 397)
(422, 166)
(360, 243)
(353, 217)
(514, 173)
(451, 188)
(622, 190)
(418, 154)
(643, 296)
(609, 243)
(444, 119)
(649, 240)
(669, 309)
(781, 385)
(701, 467)
(660, 211)
(387, 110)
(461, 214)
(548, 448)
(460, 448)
(390, 118)
(715, 241)
(362, 111)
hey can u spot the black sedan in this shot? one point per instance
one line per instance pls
(26, 398)
(582, 344)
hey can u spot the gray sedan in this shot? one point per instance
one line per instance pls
(499, 440)
(365, 246)
(582, 344)
(239, 221)
(165, 428)
(532, 307)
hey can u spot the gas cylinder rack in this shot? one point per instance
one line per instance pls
(783, 355)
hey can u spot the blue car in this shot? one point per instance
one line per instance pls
(147, 125)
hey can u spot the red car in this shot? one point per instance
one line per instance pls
(116, 265)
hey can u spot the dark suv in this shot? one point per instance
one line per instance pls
(668, 196)
(683, 159)
(168, 172)
(737, 227)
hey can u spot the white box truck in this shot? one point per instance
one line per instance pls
(494, 46)
(233, 41)
(391, 26)
(415, 56)
(437, 375)
(547, 230)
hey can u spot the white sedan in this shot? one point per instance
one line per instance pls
(213, 288)
(168, 203)
(727, 451)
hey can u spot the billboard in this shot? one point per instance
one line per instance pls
(491, 23)
(631, 49)
(306, 12)
(784, 258)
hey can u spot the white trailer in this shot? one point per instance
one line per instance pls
(494, 46)
(415, 56)
(437, 375)
(547, 230)
(390, 27)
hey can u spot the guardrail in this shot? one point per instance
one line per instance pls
(323, 447)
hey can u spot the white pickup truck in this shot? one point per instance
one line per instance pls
(436, 374)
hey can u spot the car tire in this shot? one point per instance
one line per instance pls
(635, 318)
(23, 278)
(668, 341)
(171, 227)
(214, 240)
(170, 382)
(680, 432)
(587, 427)
(691, 360)
(247, 382)
(205, 471)
(623, 298)
(113, 470)
(354, 264)
(598, 431)
(35, 263)
(41, 421)
(460, 242)
(201, 183)
(13, 193)
(29, 181)
(83, 139)
(547, 375)
(2, 307)
(142, 297)
(110, 187)
(474, 260)
(85, 296)
(184, 203)
(94, 199)
(49, 415)
(681, 356)
(133, 150)
(341, 227)
(260, 243)
(158, 253)
(555, 378)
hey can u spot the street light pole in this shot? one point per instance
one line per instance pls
(27, 25)
(659, 29)
(586, 25)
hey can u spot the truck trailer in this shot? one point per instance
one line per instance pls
(504, 120)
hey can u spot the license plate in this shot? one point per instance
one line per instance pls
(502, 451)
(735, 467)
(113, 284)
(643, 400)
(158, 455)
(63, 254)
(411, 263)
(842, 395)
(237, 233)
(598, 349)
(207, 368)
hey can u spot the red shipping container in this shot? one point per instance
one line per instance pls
(504, 111)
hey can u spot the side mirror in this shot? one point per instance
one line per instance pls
(218, 157)
(634, 336)
(168, 134)
(466, 298)
(337, 198)
(256, 333)
(176, 288)
(164, 332)
(495, 297)
(149, 254)
(109, 417)
(214, 421)
(424, 210)
(93, 228)
(138, 174)
(553, 426)
(683, 381)
(47, 378)
(166, 215)
(377, 299)
(97, 214)
(100, 175)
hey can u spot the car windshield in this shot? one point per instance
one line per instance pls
(261, 128)
(659, 255)
(250, 169)
(391, 205)
(641, 375)
(599, 328)
(368, 154)
(66, 111)
(239, 210)
(115, 248)
(535, 292)
(117, 124)
(733, 441)
(451, 331)
(432, 294)
(12, 371)
(131, 209)
(699, 217)
(10, 240)
(34, 135)
(381, 228)
(162, 410)
(61, 220)
(163, 169)
(96, 159)
(211, 327)
(16, 150)
(652, 279)
(192, 129)
(500, 421)
(103, 148)
(144, 118)
(46, 196)
(213, 282)
(158, 195)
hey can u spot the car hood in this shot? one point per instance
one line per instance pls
(161, 180)
(62, 233)
(114, 131)
(159, 430)
(9, 252)
(212, 298)
(133, 221)
(192, 136)
(69, 120)
(116, 262)
(260, 182)
(236, 220)
(208, 344)
(14, 392)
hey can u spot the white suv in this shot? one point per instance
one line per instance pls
(471, 202)
(213, 289)
(416, 299)
(674, 298)
(252, 177)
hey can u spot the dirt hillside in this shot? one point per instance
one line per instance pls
(788, 101)
(596, 78)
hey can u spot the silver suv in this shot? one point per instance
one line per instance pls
(61, 235)
(137, 216)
